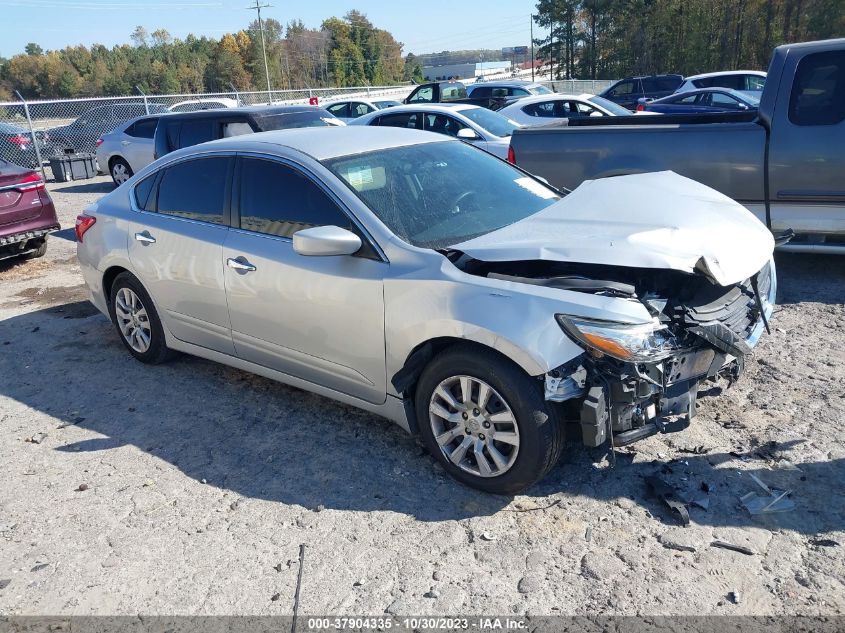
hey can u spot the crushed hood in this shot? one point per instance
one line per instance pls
(656, 220)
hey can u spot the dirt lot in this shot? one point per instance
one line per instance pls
(188, 488)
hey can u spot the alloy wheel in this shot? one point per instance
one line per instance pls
(132, 319)
(120, 173)
(473, 425)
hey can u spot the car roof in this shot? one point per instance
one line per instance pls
(521, 83)
(256, 111)
(650, 76)
(540, 98)
(739, 94)
(323, 143)
(726, 73)
(429, 107)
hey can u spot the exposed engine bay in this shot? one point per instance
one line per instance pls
(701, 332)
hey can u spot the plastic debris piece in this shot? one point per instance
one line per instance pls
(736, 548)
(777, 501)
(666, 493)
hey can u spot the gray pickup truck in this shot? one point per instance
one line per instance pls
(785, 162)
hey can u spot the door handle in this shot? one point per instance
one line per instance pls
(241, 265)
(124, 143)
(145, 238)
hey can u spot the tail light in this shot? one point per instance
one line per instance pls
(83, 223)
(99, 142)
(31, 182)
(511, 155)
(19, 139)
(640, 107)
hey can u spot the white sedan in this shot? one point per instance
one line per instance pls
(478, 126)
(544, 109)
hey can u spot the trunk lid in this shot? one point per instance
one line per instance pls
(656, 220)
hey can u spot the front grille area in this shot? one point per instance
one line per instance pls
(724, 317)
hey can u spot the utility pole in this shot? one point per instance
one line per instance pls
(531, 26)
(258, 6)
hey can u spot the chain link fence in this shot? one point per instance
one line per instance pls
(33, 132)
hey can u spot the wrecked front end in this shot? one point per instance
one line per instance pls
(633, 381)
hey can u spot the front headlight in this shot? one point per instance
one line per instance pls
(645, 342)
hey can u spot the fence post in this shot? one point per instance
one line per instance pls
(146, 105)
(34, 140)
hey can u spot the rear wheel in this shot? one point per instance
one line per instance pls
(486, 421)
(120, 171)
(40, 249)
(137, 322)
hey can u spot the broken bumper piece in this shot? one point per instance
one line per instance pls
(629, 401)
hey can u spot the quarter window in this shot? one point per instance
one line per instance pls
(278, 200)
(818, 92)
(142, 193)
(195, 190)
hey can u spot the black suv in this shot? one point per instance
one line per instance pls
(175, 131)
(626, 92)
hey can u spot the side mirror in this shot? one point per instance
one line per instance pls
(468, 134)
(325, 241)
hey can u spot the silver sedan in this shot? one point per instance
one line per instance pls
(421, 279)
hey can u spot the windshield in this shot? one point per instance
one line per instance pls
(607, 104)
(539, 90)
(435, 195)
(493, 122)
(317, 118)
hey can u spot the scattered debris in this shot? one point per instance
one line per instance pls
(36, 439)
(733, 596)
(666, 493)
(677, 546)
(82, 488)
(234, 505)
(320, 508)
(488, 536)
(775, 501)
(203, 481)
(588, 535)
(551, 505)
(40, 566)
(276, 597)
(431, 593)
(359, 583)
(437, 575)
(298, 586)
(695, 450)
(702, 502)
(824, 542)
(736, 548)
(4, 582)
(278, 567)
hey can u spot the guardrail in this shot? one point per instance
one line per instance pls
(32, 132)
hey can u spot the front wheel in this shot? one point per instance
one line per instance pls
(486, 421)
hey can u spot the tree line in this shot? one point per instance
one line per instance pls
(610, 39)
(343, 52)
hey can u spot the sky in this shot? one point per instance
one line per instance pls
(423, 27)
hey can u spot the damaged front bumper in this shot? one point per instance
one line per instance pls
(624, 402)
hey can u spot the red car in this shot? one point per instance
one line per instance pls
(27, 213)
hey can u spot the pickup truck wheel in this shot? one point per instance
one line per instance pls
(137, 322)
(38, 252)
(120, 171)
(486, 421)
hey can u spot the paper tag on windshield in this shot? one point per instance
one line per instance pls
(360, 177)
(536, 188)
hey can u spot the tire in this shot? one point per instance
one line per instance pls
(148, 346)
(512, 394)
(120, 171)
(38, 252)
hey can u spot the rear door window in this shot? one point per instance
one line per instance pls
(722, 100)
(442, 124)
(818, 91)
(143, 129)
(338, 109)
(622, 89)
(278, 200)
(197, 131)
(404, 119)
(196, 190)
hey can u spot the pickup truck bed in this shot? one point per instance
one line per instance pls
(785, 162)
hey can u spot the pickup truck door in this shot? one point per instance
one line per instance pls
(806, 162)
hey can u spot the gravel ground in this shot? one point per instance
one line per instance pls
(188, 488)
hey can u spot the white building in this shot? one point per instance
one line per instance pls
(465, 71)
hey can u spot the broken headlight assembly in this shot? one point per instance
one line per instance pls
(633, 343)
